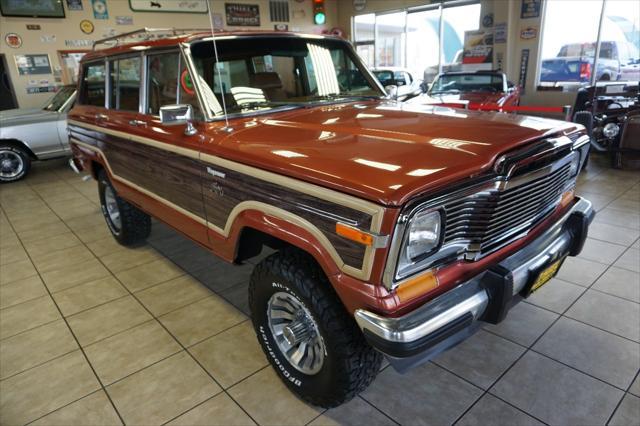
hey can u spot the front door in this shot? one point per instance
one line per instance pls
(7, 95)
(168, 158)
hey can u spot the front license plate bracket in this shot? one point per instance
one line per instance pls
(543, 276)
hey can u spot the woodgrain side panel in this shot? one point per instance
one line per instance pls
(185, 182)
(174, 177)
(223, 194)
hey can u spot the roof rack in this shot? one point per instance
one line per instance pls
(149, 33)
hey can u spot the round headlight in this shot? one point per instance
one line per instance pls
(610, 130)
(424, 234)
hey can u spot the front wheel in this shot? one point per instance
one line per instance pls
(14, 163)
(308, 337)
(128, 224)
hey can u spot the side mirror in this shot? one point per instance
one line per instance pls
(392, 91)
(175, 115)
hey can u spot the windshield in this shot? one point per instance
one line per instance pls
(384, 77)
(270, 72)
(455, 83)
(58, 100)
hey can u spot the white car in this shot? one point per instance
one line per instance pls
(408, 85)
(34, 134)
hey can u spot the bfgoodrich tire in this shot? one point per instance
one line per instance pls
(293, 304)
(128, 224)
(14, 163)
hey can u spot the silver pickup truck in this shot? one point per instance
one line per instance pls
(34, 134)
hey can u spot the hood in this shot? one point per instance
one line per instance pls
(482, 98)
(12, 117)
(385, 152)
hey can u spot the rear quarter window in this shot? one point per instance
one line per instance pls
(93, 85)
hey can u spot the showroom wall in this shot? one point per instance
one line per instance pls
(65, 34)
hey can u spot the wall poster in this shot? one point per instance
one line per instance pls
(183, 6)
(100, 10)
(530, 9)
(33, 64)
(478, 47)
(74, 4)
(500, 33)
(524, 65)
(242, 15)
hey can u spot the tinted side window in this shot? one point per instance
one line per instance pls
(125, 84)
(162, 77)
(92, 92)
(400, 78)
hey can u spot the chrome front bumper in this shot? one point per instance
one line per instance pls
(450, 318)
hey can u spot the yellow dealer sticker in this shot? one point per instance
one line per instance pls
(546, 275)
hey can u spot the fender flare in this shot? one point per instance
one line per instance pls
(286, 227)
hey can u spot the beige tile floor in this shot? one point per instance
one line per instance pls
(93, 333)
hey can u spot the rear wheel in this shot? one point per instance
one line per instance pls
(128, 224)
(14, 163)
(310, 340)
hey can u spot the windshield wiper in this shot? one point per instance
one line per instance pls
(435, 92)
(264, 104)
(345, 96)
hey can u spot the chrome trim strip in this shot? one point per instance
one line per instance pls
(428, 318)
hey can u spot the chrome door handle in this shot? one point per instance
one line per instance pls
(137, 123)
(102, 117)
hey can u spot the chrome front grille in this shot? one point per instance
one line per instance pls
(486, 221)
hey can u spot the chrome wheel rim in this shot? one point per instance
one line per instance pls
(111, 205)
(11, 164)
(296, 333)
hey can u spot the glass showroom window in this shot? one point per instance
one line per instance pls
(363, 36)
(571, 37)
(620, 37)
(390, 39)
(423, 40)
(411, 38)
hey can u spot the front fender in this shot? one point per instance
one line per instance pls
(354, 293)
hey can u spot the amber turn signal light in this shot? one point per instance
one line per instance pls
(417, 286)
(354, 234)
(567, 197)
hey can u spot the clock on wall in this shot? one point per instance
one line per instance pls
(359, 5)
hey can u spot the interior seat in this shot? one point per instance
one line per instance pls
(270, 84)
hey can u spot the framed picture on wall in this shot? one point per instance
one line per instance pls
(33, 64)
(242, 15)
(32, 9)
(184, 6)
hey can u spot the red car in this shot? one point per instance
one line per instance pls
(475, 89)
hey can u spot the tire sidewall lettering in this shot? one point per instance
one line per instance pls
(280, 366)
